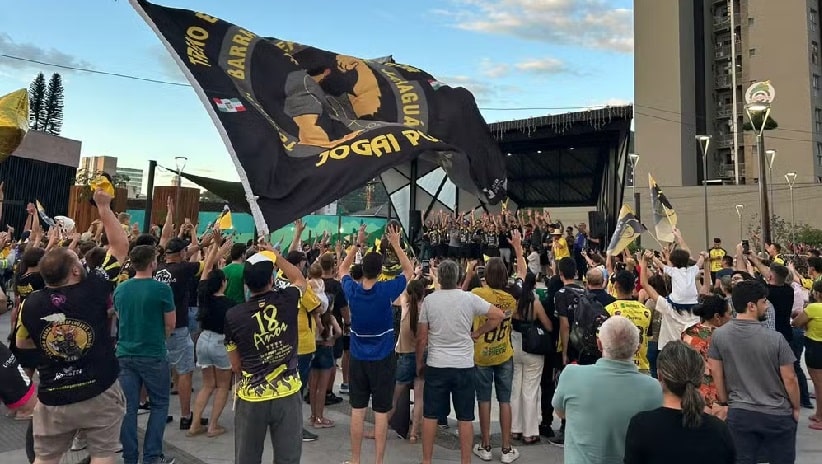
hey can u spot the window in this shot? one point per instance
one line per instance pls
(818, 149)
(814, 53)
(812, 17)
(750, 21)
(818, 113)
(816, 84)
(752, 52)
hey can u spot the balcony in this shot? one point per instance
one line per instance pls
(723, 52)
(723, 81)
(724, 141)
(722, 22)
(726, 170)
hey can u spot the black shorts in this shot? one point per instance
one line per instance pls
(444, 385)
(372, 380)
(346, 342)
(338, 348)
(15, 386)
(813, 353)
(454, 252)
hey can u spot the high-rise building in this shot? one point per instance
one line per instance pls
(693, 61)
(134, 184)
(93, 164)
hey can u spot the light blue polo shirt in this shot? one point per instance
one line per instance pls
(599, 401)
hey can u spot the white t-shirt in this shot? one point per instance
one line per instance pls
(449, 315)
(683, 284)
(673, 322)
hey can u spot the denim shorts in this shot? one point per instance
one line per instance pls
(444, 385)
(502, 378)
(181, 350)
(211, 351)
(323, 358)
(193, 323)
(406, 368)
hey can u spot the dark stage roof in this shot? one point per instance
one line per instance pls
(571, 159)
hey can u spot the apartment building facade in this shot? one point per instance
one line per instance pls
(693, 62)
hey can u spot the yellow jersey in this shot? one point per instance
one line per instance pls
(637, 313)
(560, 248)
(814, 330)
(494, 347)
(716, 255)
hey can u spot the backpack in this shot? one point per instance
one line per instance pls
(589, 315)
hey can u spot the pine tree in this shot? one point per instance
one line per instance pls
(37, 100)
(53, 120)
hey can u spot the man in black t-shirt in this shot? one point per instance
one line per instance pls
(339, 307)
(68, 323)
(261, 339)
(180, 275)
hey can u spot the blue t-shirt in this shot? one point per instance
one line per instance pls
(372, 317)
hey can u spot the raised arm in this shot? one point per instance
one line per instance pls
(345, 266)
(168, 227)
(394, 239)
(516, 244)
(296, 242)
(707, 285)
(643, 276)
(117, 238)
(760, 266)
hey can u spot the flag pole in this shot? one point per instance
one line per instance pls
(654, 237)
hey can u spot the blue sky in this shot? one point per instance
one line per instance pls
(510, 53)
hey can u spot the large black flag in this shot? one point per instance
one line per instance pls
(305, 126)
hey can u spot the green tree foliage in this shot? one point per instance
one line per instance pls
(53, 106)
(37, 102)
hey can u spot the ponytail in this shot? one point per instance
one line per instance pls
(416, 292)
(681, 370)
(693, 406)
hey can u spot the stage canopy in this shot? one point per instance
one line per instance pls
(572, 159)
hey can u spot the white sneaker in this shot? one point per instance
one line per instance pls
(482, 453)
(78, 444)
(509, 457)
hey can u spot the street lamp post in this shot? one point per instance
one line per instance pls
(758, 98)
(704, 143)
(739, 209)
(770, 155)
(791, 178)
(634, 159)
(180, 161)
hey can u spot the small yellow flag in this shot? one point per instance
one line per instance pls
(224, 222)
(102, 182)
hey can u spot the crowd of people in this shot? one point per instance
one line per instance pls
(646, 357)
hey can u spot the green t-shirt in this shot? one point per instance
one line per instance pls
(141, 305)
(234, 289)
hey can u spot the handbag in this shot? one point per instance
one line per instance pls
(535, 339)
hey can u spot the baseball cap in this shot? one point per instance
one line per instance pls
(175, 245)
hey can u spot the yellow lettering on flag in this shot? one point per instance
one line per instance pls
(408, 97)
(195, 45)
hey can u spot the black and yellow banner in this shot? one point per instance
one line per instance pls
(664, 214)
(627, 230)
(306, 126)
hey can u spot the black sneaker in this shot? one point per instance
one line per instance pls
(144, 408)
(442, 424)
(332, 399)
(185, 422)
(558, 440)
(546, 431)
(169, 419)
(308, 436)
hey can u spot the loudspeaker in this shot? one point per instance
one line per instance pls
(596, 224)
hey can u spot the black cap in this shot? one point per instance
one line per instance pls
(717, 240)
(175, 245)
